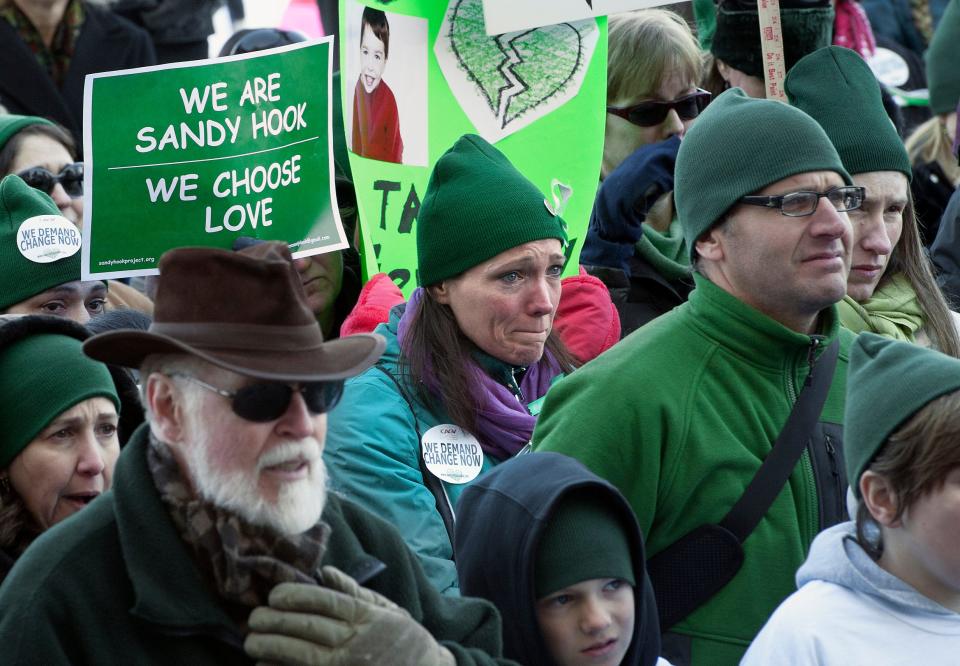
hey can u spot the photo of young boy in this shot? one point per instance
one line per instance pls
(559, 553)
(376, 122)
(885, 588)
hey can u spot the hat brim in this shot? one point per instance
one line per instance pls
(337, 359)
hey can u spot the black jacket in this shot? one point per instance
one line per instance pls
(931, 192)
(106, 42)
(500, 520)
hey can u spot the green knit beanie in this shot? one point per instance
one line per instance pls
(583, 540)
(888, 381)
(476, 206)
(943, 61)
(28, 263)
(837, 88)
(738, 146)
(11, 124)
(42, 376)
(736, 39)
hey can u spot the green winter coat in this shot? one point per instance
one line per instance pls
(373, 457)
(679, 416)
(115, 584)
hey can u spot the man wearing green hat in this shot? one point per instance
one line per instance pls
(40, 258)
(762, 197)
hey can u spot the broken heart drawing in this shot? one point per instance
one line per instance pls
(506, 82)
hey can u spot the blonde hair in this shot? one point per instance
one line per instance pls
(930, 143)
(646, 47)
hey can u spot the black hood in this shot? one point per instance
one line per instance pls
(500, 521)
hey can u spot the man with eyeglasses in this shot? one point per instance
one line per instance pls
(219, 543)
(680, 415)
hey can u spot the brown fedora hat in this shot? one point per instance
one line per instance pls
(244, 311)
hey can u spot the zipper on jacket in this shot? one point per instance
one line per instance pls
(835, 473)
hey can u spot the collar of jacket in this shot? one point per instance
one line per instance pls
(169, 589)
(751, 334)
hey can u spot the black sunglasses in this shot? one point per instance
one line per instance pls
(268, 401)
(651, 113)
(70, 177)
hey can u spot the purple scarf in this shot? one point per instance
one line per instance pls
(505, 426)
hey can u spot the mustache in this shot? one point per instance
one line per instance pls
(306, 450)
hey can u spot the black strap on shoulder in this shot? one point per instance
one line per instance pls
(688, 572)
(433, 484)
(769, 480)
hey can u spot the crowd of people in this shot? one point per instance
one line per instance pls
(732, 436)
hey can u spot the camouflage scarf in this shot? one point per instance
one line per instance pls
(245, 561)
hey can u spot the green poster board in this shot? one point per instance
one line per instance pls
(197, 154)
(537, 95)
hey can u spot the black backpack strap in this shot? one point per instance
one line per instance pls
(433, 484)
(769, 480)
(688, 572)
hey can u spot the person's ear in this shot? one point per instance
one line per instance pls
(165, 402)
(880, 498)
(724, 70)
(440, 292)
(710, 245)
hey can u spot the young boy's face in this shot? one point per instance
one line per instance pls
(925, 549)
(372, 59)
(590, 623)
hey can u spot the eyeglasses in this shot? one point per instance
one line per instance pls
(268, 401)
(803, 203)
(71, 177)
(651, 113)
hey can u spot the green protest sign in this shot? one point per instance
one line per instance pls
(201, 153)
(427, 73)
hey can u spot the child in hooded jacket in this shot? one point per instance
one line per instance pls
(885, 588)
(559, 552)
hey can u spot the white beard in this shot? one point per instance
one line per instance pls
(299, 503)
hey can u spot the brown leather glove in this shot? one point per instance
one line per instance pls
(339, 624)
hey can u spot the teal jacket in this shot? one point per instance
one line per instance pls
(679, 416)
(115, 584)
(373, 458)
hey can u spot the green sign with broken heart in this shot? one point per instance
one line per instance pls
(197, 154)
(537, 95)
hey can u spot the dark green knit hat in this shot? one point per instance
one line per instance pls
(837, 88)
(582, 541)
(736, 40)
(738, 146)
(22, 277)
(42, 376)
(943, 61)
(476, 206)
(11, 124)
(887, 383)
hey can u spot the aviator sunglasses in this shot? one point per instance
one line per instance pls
(651, 113)
(268, 401)
(70, 177)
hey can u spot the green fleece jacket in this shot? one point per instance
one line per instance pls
(679, 416)
(115, 584)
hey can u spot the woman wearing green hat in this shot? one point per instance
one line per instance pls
(59, 410)
(885, 588)
(44, 155)
(891, 289)
(40, 258)
(467, 359)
